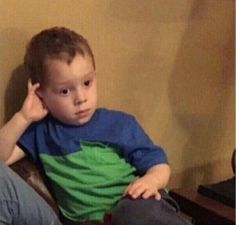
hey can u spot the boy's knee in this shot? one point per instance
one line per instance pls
(136, 212)
(146, 212)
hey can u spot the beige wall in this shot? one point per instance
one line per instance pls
(168, 62)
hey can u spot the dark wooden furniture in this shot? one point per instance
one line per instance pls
(203, 210)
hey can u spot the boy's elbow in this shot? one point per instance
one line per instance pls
(4, 157)
(15, 156)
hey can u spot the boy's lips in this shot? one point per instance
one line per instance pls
(82, 113)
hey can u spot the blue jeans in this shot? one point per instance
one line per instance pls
(20, 204)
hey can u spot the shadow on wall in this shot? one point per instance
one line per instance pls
(148, 18)
(12, 41)
(200, 84)
(15, 92)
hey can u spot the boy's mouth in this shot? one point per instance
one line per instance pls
(83, 113)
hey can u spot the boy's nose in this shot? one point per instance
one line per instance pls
(80, 98)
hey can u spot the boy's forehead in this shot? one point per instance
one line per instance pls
(64, 58)
(58, 68)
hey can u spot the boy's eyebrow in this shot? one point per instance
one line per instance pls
(91, 73)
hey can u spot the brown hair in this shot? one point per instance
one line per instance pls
(56, 43)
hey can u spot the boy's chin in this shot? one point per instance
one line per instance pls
(78, 122)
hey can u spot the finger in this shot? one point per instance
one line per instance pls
(136, 192)
(29, 84)
(147, 194)
(33, 87)
(134, 188)
(158, 196)
(128, 188)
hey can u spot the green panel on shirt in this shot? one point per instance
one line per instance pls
(88, 182)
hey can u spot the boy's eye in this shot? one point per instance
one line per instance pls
(64, 91)
(87, 83)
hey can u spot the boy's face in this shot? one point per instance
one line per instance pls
(70, 94)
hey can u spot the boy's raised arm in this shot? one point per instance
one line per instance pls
(32, 110)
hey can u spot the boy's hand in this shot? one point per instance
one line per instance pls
(155, 179)
(144, 187)
(33, 108)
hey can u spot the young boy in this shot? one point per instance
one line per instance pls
(96, 160)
